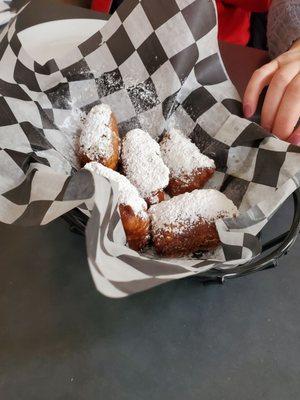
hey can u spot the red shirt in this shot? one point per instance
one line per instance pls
(102, 5)
(234, 18)
(233, 15)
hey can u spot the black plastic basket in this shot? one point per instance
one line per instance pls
(272, 250)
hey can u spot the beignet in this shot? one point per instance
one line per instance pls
(189, 168)
(99, 140)
(186, 223)
(143, 166)
(133, 209)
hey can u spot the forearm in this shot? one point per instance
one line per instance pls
(283, 25)
(250, 5)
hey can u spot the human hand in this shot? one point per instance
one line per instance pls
(281, 108)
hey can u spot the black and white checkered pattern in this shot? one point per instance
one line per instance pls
(157, 64)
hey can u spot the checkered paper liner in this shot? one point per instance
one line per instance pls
(157, 64)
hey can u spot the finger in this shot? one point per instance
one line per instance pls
(289, 110)
(275, 93)
(295, 137)
(260, 78)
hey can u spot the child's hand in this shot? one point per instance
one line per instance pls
(281, 109)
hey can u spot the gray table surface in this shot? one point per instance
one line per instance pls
(61, 340)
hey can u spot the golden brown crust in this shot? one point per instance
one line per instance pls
(111, 162)
(200, 236)
(156, 198)
(188, 183)
(137, 229)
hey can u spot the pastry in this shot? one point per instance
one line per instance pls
(99, 139)
(189, 169)
(133, 209)
(186, 223)
(143, 165)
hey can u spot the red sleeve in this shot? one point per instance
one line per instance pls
(101, 5)
(250, 5)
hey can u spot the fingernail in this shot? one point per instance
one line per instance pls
(247, 111)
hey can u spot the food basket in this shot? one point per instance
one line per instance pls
(162, 60)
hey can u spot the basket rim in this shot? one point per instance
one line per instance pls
(281, 244)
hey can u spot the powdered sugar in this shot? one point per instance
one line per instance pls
(143, 96)
(143, 164)
(74, 123)
(186, 209)
(70, 123)
(96, 139)
(181, 155)
(128, 194)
